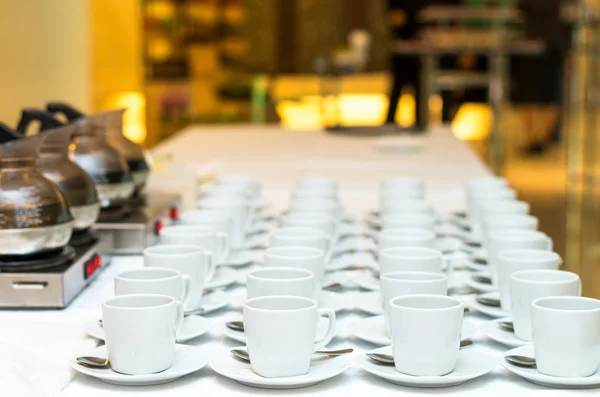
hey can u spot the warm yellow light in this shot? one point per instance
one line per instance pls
(472, 122)
(134, 121)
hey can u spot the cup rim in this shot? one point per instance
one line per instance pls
(395, 233)
(174, 274)
(312, 304)
(525, 218)
(314, 233)
(409, 215)
(156, 251)
(456, 302)
(521, 255)
(537, 304)
(195, 230)
(517, 276)
(501, 206)
(434, 277)
(307, 274)
(400, 179)
(217, 202)
(393, 253)
(311, 253)
(108, 303)
(321, 217)
(516, 234)
(211, 214)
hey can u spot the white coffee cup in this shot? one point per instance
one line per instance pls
(499, 207)
(280, 281)
(512, 261)
(289, 236)
(400, 193)
(190, 260)
(218, 190)
(246, 181)
(398, 220)
(566, 335)
(238, 209)
(477, 185)
(220, 220)
(280, 334)
(529, 285)
(513, 239)
(156, 281)
(406, 237)
(324, 206)
(393, 206)
(475, 198)
(413, 259)
(317, 182)
(425, 333)
(202, 236)
(403, 183)
(314, 192)
(140, 331)
(396, 284)
(323, 222)
(311, 259)
(506, 221)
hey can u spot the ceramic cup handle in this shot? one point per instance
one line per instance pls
(224, 247)
(211, 265)
(330, 314)
(447, 261)
(549, 244)
(187, 288)
(179, 318)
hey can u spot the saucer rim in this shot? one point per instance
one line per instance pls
(488, 326)
(221, 305)
(226, 269)
(472, 303)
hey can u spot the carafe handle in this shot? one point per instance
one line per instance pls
(46, 119)
(66, 110)
(7, 134)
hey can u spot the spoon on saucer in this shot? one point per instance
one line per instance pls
(93, 362)
(389, 359)
(482, 279)
(521, 361)
(243, 353)
(235, 325)
(488, 301)
(480, 261)
(507, 325)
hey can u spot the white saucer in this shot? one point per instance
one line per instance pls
(492, 330)
(480, 286)
(193, 327)
(491, 311)
(225, 364)
(239, 336)
(365, 279)
(242, 258)
(331, 300)
(188, 359)
(532, 375)
(351, 260)
(479, 253)
(369, 302)
(224, 276)
(445, 244)
(470, 365)
(372, 330)
(212, 301)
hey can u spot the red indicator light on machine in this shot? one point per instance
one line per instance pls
(97, 261)
(174, 213)
(89, 269)
(158, 226)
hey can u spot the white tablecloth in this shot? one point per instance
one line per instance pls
(278, 158)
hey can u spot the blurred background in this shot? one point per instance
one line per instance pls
(516, 79)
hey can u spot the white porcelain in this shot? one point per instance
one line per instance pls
(495, 222)
(373, 330)
(239, 210)
(566, 335)
(314, 192)
(199, 235)
(495, 332)
(224, 277)
(190, 260)
(193, 327)
(514, 239)
(529, 285)
(225, 364)
(220, 220)
(319, 205)
(280, 327)
(490, 311)
(220, 190)
(188, 359)
(280, 281)
(399, 193)
(470, 364)
(399, 220)
(316, 220)
(412, 259)
(317, 182)
(210, 302)
(406, 237)
(156, 281)
(403, 283)
(472, 260)
(481, 189)
(247, 181)
(394, 206)
(401, 182)
(497, 207)
(479, 286)
(140, 332)
(425, 333)
(240, 336)
(290, 236)
(512, 261)
(534, 376)
(311, 259)
(370, 302)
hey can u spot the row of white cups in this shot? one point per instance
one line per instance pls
(282, 308)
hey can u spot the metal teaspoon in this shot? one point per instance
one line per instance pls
(243, 353)
(389, 359)
(521, 361)
(93, 362)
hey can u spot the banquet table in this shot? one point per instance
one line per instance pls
(278, 158)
